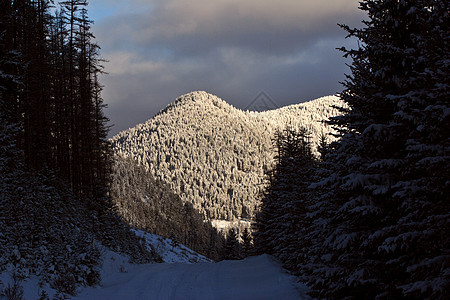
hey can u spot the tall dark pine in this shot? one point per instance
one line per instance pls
(52, 137)
(72, 94)
(25, 58)
(36, 109)
(60, 102)
(92, 123)
(83, 148)
(387, 234)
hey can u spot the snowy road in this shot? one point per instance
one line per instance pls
(253, 278)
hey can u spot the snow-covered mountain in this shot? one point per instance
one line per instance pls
(214, 155)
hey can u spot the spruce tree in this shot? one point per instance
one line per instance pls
(232, 245)
(49, 69)
(387, 189)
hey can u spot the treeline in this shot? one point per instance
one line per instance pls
(50, 89)
(371, 220)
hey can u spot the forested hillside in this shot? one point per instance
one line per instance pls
(214, 155)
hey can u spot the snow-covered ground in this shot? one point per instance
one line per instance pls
(169, 251)
(184, 275)
(253, 278)
(224, 225)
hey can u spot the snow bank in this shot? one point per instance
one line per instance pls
(171, 251)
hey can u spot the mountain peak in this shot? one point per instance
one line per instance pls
(201, 98)
(195, 96)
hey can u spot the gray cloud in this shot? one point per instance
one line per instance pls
(231, 48)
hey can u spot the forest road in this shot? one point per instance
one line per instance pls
(258, 278)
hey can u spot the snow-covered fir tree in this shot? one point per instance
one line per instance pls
(384, 211)
(374, 223)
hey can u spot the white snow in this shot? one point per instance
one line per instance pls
(184, 275)
(224, 225)
(257, 277)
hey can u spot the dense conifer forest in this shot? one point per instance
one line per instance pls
(50, 90)
(55, 167)
(214, 155)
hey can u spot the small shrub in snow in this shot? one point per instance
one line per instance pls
(65, 282)
(122, 269)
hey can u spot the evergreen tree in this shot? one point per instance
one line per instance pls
(232, 245)
(386, 194)
(283, 218)
(247, 242)
(146, 203)
(218, 167)
(49, 67)
(323, 146)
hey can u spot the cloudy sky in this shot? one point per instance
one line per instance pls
(236, 49)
